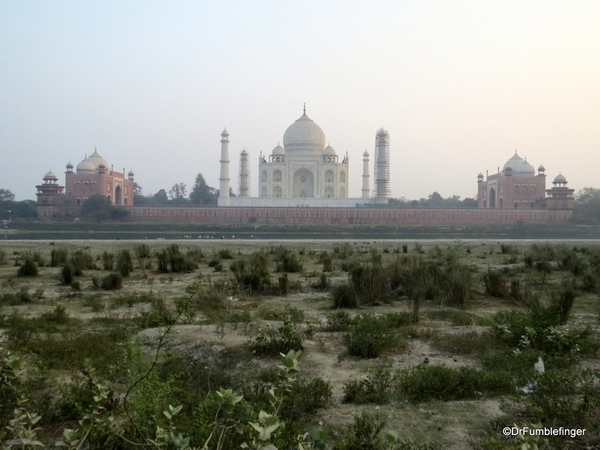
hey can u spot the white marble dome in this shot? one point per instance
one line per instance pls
(524, 169)
(329, 151)
(513, 162)
(50, 176)
(304, 137)
(86, 166)
(278, 151)
(96, 159)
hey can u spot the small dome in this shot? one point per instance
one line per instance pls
(50, 176)
(560, 178)
(304, 137)
(69, 165)
(278, 151)
(525, 169)
(131, 173)
(541, 168)
(480, 175)
(86, 166)
(366, 154)
(329, 151)
(96, 159)
(513, 162)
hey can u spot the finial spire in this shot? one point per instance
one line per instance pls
(305, 108)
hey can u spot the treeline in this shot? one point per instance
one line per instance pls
(11, 209)
(435, 200)
(201, 194)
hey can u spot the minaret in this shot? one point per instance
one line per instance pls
(244, 174)
(382, 166)
(366, 191)
(224, 178)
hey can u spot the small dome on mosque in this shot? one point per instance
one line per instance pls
(278, 151)
(69, 165)
(131, 173)
(513, 162)
(96, 159)
(366, 153)
(50, 176)
(541, 168)
(304, 137)
(86, 166)
(560, 178)
(329, 151)
(525, 169)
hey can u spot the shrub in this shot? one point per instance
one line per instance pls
(273, 341)
(343, 296)
(112, 282)
(363, 435)
(58, 315)
(322, 284)
(225, 253)
(377, 387)
(370, 337)
(142, 251)
(28, 269)
(81, 260)
(67, 274)
(338, 321)
(306, 397)
(163, 260)
(124, 262)
(370, 283)
(108, 261)
(58, 256)
(159, 315)
(495, 283)
(283, 284)
(254, 272)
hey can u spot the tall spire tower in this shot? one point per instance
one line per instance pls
(224, 178)
(244, 174)
(382, 166)
(366, 190)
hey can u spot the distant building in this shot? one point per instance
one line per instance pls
(305, 171)
(94, 176)
(517, 186)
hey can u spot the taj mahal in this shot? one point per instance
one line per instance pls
(305, 171)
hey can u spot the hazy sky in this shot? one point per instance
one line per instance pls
(458, 84)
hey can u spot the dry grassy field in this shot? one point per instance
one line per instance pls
(404, 344)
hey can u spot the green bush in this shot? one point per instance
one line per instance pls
(160, 314)
(273, 341)
(377, 387)
(67, 274)
(124, 262)
(343, 296)
(370, 283)
(370, 337)
(338, 321)
(108, 261)
(112, 281)
(81, 260)
(28, 269)
(58, 315)
(496, 284)
(58, 256)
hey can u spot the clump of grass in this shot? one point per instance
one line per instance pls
(81, 260)
(377, 387)
(253, 272)
(58, 256)
(225, 253)
(495, 282)
(338, 321)
(108, 261)
(28, 269)
(124, 262)
(344, 296)
(112, 281)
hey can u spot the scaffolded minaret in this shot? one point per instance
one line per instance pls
(244, 174)
(366, 190)
(224, 178)
(382, 166)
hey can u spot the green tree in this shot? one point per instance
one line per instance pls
(178, 191)
(101, 208)
(160, 198)
(6, 196)
(587, 206)
(202, 193)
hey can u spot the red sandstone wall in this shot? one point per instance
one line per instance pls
(373, 216)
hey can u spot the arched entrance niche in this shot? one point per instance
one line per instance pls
(492, 198)
(303, 183)
(118, 195)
